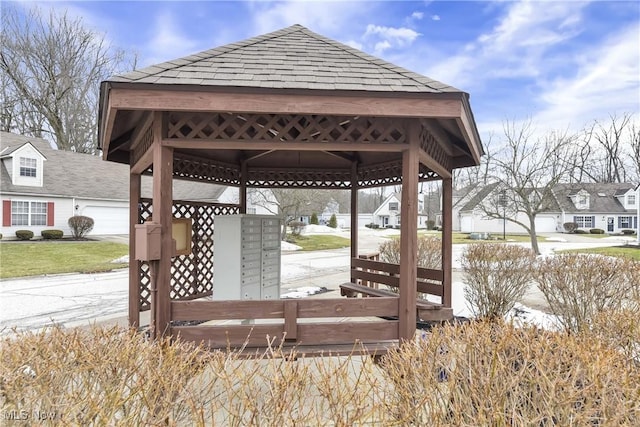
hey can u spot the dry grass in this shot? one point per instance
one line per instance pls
(483, 373)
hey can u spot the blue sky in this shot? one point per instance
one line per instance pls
(561, 63)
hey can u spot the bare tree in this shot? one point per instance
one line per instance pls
(609, 151)
(52, 66)
(526, 170)
(291, 203)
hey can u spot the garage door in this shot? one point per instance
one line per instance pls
(108, 220)
(545, 224)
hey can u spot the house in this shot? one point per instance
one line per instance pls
(387, 215)
(610, 207)
(41, 187)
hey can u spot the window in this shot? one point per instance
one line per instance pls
(393, 206)
(28, 167)
(582, 201)
(631, 200)
(251, 211)
(624, 222)
(28, 213)
(583, 221)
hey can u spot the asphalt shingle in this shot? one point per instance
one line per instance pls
(294, 57)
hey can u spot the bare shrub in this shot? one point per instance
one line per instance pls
(492, 373)
(296, 227)
(578, 286)
(497, 276)
(570, 227)
(80, 226)
(429, 252)
(483, 373)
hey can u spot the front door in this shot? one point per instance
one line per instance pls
(610, 224)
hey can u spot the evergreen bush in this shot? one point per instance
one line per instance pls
(24, 234)
(52, 234)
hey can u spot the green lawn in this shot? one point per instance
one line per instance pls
(318, 242)
(619, 251)
(464, 237)
(32, 259)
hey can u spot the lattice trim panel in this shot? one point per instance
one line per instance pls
(198, 169)
(286, 128)
(303, 178)
(389, 174)
(191, 275)
(146, 141)
(429, 144)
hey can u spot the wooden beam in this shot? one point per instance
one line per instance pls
(162, 214)
(354, 210)
(447, 239)
(243, 144)
(409, 235)
(243, 187)
(291, 319)
(108, 122)
(144, 162)
(278, 103)
(470, 133)
(143, 125)
(134, 265)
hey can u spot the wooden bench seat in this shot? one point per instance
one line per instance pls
(426, 310)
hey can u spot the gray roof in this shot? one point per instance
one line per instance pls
(69, 174)
(607, 203)
(290, 58)
(602, 197)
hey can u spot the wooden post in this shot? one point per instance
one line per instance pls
(409, 237)
(134, 265)
(162, 214)
(354, 212)
(243, 187)
(447, 239)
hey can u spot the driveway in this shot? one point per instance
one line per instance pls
(80, 299)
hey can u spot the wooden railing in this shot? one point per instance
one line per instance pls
(372, 273)
(329, 326)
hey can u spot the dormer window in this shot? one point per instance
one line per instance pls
(28, 167)
(393, 206)
(631, 200)
(583, 201)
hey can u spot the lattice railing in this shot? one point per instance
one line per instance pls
(302, 178)
(191, 275)
(285, 128)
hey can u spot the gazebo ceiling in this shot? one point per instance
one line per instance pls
(292, 101)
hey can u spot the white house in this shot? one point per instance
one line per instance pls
(387, 215)
(610, 207)
(41, 188)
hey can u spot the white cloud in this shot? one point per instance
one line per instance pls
(435, 17)
(168, 41)
(397, 36)
(321, 17)
(417, 15)
(606, 81)
(380, 47)
(515, 47)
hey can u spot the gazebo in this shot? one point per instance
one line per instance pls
(288, 109)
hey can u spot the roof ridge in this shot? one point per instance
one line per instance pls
(374, 60)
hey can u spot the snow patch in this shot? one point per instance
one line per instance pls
(122, 260)
(319, 229)
(556, 239)
(286, 246)
(304, 291)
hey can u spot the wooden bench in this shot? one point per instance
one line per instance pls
(426, 310)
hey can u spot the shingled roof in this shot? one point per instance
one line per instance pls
(69, 174)
(290, 58)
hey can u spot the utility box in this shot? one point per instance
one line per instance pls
(147, 241)
(246, 257)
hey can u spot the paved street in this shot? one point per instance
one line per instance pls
(80, 299)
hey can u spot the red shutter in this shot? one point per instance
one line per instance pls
(6, 213)
(50, 214)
